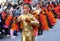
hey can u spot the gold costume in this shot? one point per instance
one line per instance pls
(27, 29)
(37, 11)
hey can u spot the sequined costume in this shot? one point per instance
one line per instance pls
(27, 29)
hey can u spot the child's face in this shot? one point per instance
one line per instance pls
(25, 9)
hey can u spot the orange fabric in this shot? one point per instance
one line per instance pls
(46, 11)
(36, 16)
(14, 26)
(57, 11)
(57, 8)
(51, 18)
(3, 15)
(44, 22)
(8, 20)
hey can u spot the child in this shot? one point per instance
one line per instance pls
(14, 28)
(7, 23)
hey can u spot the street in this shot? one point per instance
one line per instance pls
(51, 35)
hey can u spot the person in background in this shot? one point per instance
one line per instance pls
(14, 28)
(7, 23)
(1, 22)
(1, 26)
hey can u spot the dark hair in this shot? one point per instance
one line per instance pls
(14, 6)
(29, 6)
